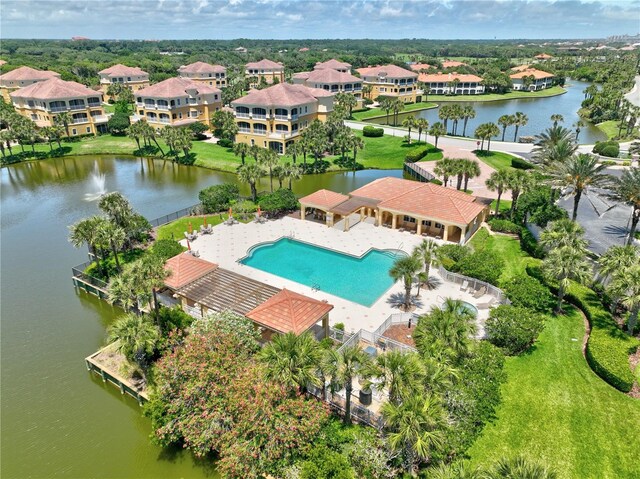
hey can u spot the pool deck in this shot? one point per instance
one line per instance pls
(230, 243)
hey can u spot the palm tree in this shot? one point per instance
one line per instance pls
(491, 131)
(138, 338)
(386, 103)
(437, 130)
(468, 112)
(578, 125)
(471, 169)
(564, 264)
(292, 360)
(457, 169)
(616, 259)
(254, 150)
(445, 168)
(149, 274)
(519, 468)
(366, 91)
(269, 159)
(65, 120)
(552, 136)
(505, 121)
(558, 152)
(444, 114)
(85, 232)
(405, 268)
(519, 181)
(346, 364)
(294, 150)
(426, 250)
(626, 189)
(122, 290)
(578, 174)
(625, 287)
(251, 174)
(416, 427)
(401, 373)
(291, 173)
(356, 143)
(6, 137)
(409, 123)
(455, 470)
(555, 118)
(520, 119)
(498, 181)
(112, 235)
(241, 150)
(422, 124)
(347, 101)
(397, 106)
(563, 233)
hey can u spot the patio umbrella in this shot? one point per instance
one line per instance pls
(189, 227)
(259, 212)
(188, 245)
(205, 221)
(230, 213)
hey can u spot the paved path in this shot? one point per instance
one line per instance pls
(634, 95)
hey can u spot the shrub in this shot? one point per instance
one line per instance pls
(167, 248)
(608, 163)
(118, 123)
(372, 131)
(607, 148)
(198, 130)
(218, 197)
(513, 328)
(527, 292)
(170, 319)
(484, 265)
(244, 209)
(504, 226)
(225, 143)
(417, 154)
(323, 462)
(454, 252)
(521, 164)
(435, 181)
(279, 201)
(529, 244)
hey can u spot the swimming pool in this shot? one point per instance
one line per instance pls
(361, 279)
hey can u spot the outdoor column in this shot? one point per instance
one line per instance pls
(361, 214)
(394, 222)
(376, 217)
(463, 232)
(303, 212)
(325, 325)
(418, 226)
(445, 236)
(346, 224)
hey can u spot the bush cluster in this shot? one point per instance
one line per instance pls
(218, 198)
(527, 292)
(607, 148)
(513, 328)
(504, 226)
(225, 143)
(278, 202)
(167, 248)
(372, 131)
(521, 164)
(484, 265)
(417, 154)
(529, 244)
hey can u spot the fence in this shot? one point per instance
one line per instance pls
(358, 413)
(163, 220)
(376, 339)
(89, 283)
(396, 318)
(473, 283)
(418, 173)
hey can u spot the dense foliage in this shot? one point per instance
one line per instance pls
(372, 131)
(513, 328)
(279, 201)
(167, 248)
(527, 292)
(504, 226)
(218, 198)
(610, 149)
(484, 265)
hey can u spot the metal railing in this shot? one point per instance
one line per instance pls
(418, 172)
(473, 283)
(396, 318)
(78, 272)
(358, 413)
(376, 339)
(163, 220)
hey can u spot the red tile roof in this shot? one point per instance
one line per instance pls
(452, 64)
(329, 75)
(333, 64)
(28, 74)
(390, 71)
(521, 68)
(543, 56)
(289, 312)
(416, 67)
(54, 88)
(184, 269)
(201, 67)
(447, 77)
(265, 65)
(537, 74)
(2, 62)
(122, 70)
(175, 87)
(302, 75)
(324, 199)
(422, 199)
(282, 94)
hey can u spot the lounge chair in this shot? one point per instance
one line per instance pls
(464, 286)
(481, 292)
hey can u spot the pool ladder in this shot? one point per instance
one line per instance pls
(315, 287)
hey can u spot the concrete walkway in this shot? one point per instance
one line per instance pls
(634, 95)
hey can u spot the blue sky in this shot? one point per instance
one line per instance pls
(281, 19)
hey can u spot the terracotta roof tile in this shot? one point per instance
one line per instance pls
(302, 75)
(201, 67)
(329, 75)
(54, 88)
(184, 269)
(333, 64)
(543, 56)
(390, 71)
(265, 65)
(28, 74)
(416, 67)
(289, 312)
(282, 94)
(452, 64)
(521, 68)
(447, 77)
(122, 70)
(174, 87)
(324, 199)
(537, 74)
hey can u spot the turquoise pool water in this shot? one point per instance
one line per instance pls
(359, 279)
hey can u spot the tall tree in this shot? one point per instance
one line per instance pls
(468, 112)
(409, 123)
(241, 150)
(401, 373)
(520, 119)
(471, 169)
(346, 364)
(626, 189)
(564, 264)
(563, 233)
(64, 119)
(437, 130)
(405, 269)
(498, 181)
(269, 159)
(505, 121)
(251, 174)
(137, 339)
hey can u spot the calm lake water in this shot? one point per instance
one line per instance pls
(57, 419)
(539, 111)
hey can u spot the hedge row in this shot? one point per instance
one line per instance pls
(608, 348)
(417, 154)
(521, 164)
(504, 226)
(528, 242)
(372, 131)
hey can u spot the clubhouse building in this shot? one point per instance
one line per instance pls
(390, 81)
(532, 79)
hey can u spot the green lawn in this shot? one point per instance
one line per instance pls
(512, 95)
(378, 112)
(611, 128)
(175, 229)
(554, 407)
(497, 160)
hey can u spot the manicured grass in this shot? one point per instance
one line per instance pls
(611, 128)
(378, 112)
(505, 205)
(109, 108)
(175, 229)
(512, 95)
(497, 160)
(556, 409)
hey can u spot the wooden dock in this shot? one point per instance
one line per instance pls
(96, 364)
(88, 283)
(418, 173)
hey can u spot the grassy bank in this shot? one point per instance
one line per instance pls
(378, 112)
(175, 229)
(554, 406)
(611, 128)
(512, 95)
(497, 160)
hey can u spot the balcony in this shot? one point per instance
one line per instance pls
(259, 117)
(100, 118)
(243, 115)
(56, 109)
(281, 117)
(95, 105)
(244, 130)
(79, 120)
(282, 136)
(259, 132)
(294, 117)
(77, 107)
(162, 107)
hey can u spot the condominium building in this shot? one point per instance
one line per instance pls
(44, 100)
(177, 102)
(333, 64)
(331, 80)
(531, 79)
(276, 116)
(22, 77)
(267, 69)
(452, 83)
(212, 75)
(132, 77)
(390, 81)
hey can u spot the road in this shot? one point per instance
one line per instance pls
(634, 95)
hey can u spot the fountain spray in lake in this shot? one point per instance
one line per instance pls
(97, 181)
